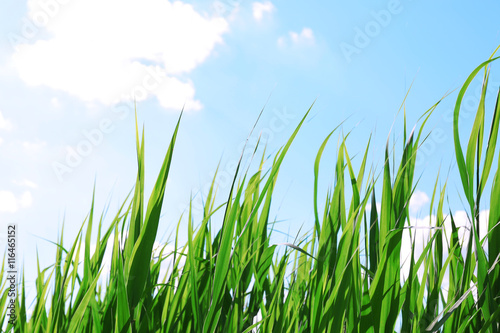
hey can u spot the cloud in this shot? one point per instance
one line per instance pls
(107, 259)
(368, 208)
(420, 232)
(112, 50)
(1, 141)
(35, 146)
(10, 204)
(26, 200)
(418, 200)
(462, 222)
(55, 102)
(174, 93)
(4, 123)
(305, 37)
(259, 8)
(26, 183)
(424, 228)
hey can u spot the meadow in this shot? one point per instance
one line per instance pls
(344, 276)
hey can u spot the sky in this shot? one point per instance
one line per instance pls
(71, 70)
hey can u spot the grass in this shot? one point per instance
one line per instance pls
(344, 276)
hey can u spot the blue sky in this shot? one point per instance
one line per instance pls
(69, 71)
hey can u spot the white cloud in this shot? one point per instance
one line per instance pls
(107, 259)
(418, 200)
(10, 204)
(34, 146)
(174, 94)
(305, 37)
(26, 183)
(4, 123)
(104, 51)
(423, 229)
(368, 209)
(259, 8)
(464, 226)
(26, 200)
(55, 102)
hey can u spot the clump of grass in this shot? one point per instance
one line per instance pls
(235, 280)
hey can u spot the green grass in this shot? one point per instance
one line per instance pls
(344, 276)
